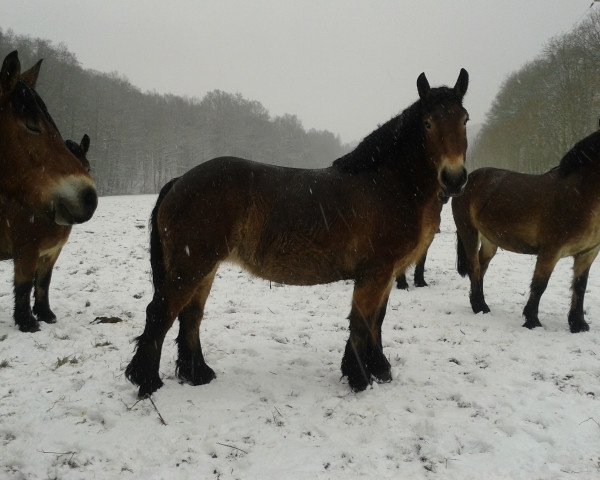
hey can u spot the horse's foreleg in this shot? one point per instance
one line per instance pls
(401, 282)
(487, 250)
(25, 266)
(363, 355)
(191, 366)
(543, 269)
(476, 296)
(419, 277)
(581, 270)
(43, 275)
(380, 366)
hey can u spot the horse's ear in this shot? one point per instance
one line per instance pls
(423, 86)
(30, 76)
(9, 75)
(462, 83)
(85, 143)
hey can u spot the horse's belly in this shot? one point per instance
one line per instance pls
(296, 269)
(519, 239)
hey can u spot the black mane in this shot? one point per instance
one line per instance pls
(584, 153)
(29, 103)
(402, 136)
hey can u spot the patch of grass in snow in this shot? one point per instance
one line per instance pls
(4, 364)
(64, 360)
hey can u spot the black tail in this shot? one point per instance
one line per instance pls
(156, 252)
(462, 262)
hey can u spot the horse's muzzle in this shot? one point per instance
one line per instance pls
(77, 207)
(453, 181)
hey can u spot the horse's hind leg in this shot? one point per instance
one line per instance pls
(191, 366)
(43, 275)
(161, 312)
(541, 275)
(581, 270)
(363, 355)
(25, 266)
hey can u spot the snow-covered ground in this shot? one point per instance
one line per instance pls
(473, 396)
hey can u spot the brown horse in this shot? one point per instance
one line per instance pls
(36, 167)
(42, 183)
(553, 215)
(419, 274)
(365, 218)
(34, 243)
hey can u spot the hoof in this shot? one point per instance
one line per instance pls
(578, 327)
(358, 383)
(47, 319)
(46, 316)
(480, 307)
(383, 377)
(532, 323)
(402, 284)
(356, 369)
(200, 375)
(139, 375)
(379, 366)
(148, 388)
(29, 327)
(421, 283)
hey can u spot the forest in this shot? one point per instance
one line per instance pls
(546, 106)
(140, 140)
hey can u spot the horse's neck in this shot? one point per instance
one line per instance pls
(589, 182)
(413, 179)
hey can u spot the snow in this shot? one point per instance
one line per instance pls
(473, 396)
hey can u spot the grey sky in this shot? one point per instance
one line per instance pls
(339, 65)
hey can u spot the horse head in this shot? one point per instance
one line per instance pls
(38, 169)
(443, 126)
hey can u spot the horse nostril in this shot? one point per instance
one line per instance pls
(89, 199)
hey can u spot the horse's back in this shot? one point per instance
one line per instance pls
(511, 209)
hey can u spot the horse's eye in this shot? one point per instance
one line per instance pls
(427, 124)
(32, 127)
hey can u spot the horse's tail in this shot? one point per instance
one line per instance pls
(462, 262)
(157, 261)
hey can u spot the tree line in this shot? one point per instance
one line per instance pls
(140, 140)
(545, 107)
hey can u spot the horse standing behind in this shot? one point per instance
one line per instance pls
(419, 274)
(44, 188)
(552, 215)
(366, 218)
(34, 243)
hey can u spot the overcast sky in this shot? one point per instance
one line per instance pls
(341, 65)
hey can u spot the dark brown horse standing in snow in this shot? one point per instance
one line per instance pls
(553, 215)
(42, 184)
(366, 217)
